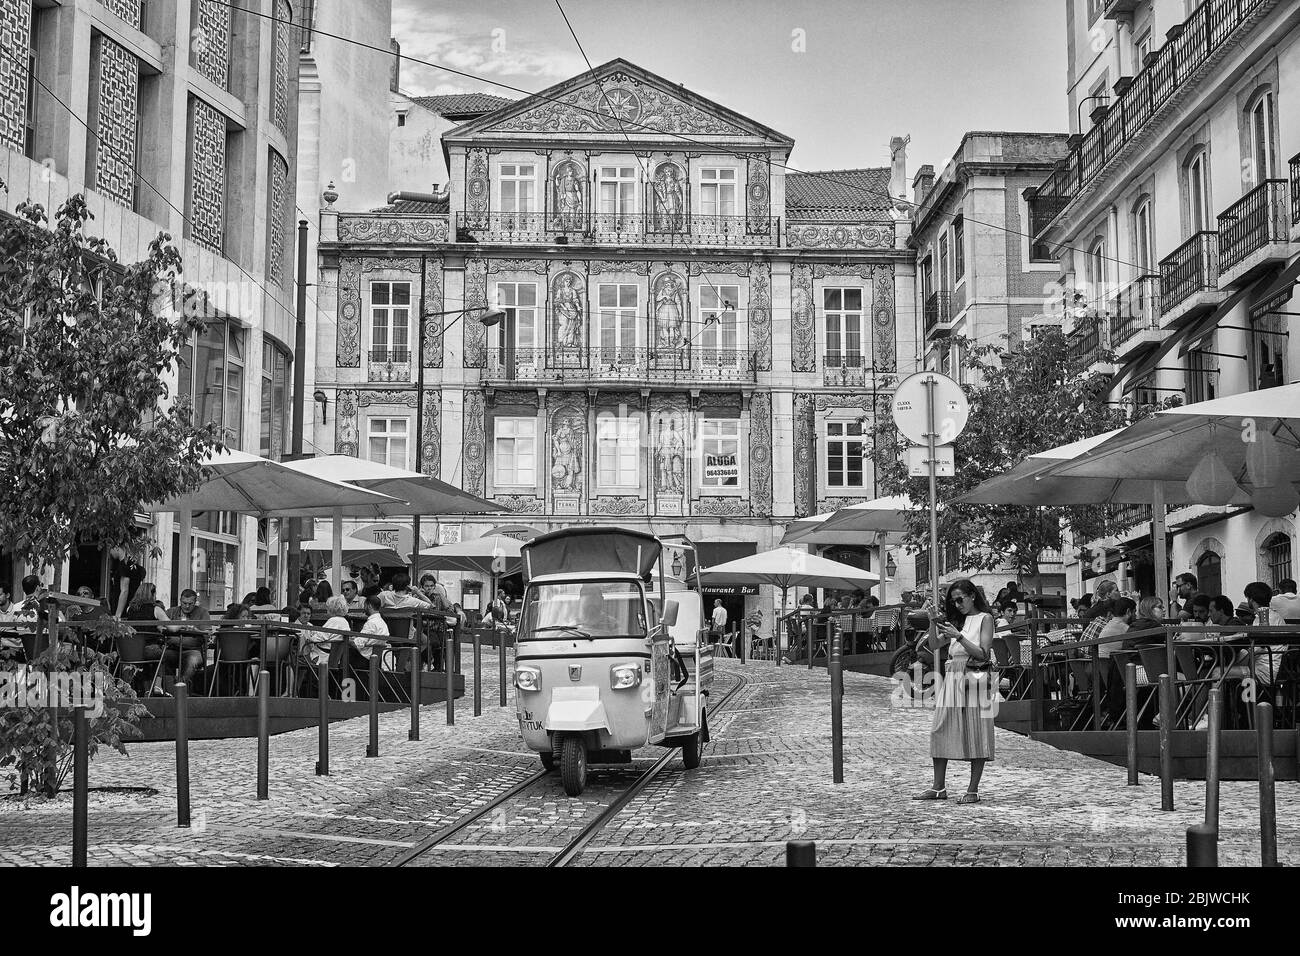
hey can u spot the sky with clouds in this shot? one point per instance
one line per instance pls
(839, 76)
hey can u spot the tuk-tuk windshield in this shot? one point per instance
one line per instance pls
(586, 610)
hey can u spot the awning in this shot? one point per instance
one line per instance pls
(711, 553)
(1280, 290)
(1205, 328)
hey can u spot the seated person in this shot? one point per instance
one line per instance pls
(1150, 614)
(1267, 658)
(1284, 606)
(313, 645)
(1198, 612)
(1122, 612)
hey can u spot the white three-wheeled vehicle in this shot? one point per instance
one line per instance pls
(602, 666)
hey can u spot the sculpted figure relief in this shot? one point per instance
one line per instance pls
(669, 199)
(568, 197)
(566, 461)
(670, 459)
(670, 313)
(567, 306)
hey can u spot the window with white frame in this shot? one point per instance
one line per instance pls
(390, 321)
(718, 328)
(518, 187)
(718, 192)
(944, 283)
(720, 452)
(1197, 188)
(842, 309)
(1096, 274)
(844, 454)
(1143, 245)
(519, 302)
(1260, 120)
(618, 451)
(617, 190)
(617, 319)
(958, 249)
(515, 452)
(388, 440)
(1141, 49)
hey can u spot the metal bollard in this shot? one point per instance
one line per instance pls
(800, 853)
(181, 693)
(835, 666)
(323, 724)
(501, 662)
(478, 674)
(372, 749)
(1202, 845)
(448, 666)
(414, 732)
(1131, 720)
(1267, 797)
(80, 786)
(1212, 759)
(263, 734)
(1166, 742)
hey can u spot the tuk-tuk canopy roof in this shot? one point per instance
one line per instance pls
(591, 549)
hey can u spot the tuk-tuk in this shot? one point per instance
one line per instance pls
(601, 665)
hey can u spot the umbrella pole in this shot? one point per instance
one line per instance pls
(776, 639)
(337, 558)
(185, 553)
(1160, 553)
(880, 565)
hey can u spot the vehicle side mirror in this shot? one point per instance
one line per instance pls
(670, 614)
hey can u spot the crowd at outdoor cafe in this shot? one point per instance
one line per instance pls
(213, 650)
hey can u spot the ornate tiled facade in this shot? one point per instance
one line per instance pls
(115, 87)
(129, 11)
(210, 41)
(207, 205)
(281, 65)
(277, 205)
(15, 36)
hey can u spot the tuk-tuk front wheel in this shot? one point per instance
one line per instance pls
(691, 751)
(573, 764)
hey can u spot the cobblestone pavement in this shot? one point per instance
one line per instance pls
(765, 779)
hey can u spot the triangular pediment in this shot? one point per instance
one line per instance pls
(618, 99)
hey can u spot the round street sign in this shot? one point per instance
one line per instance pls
(911, 415)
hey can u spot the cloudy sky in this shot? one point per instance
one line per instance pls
(867, 70)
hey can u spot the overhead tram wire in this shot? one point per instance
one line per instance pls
(712, 147)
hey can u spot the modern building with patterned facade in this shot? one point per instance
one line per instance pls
(167, 124)
(692, 335)
(1176, 220)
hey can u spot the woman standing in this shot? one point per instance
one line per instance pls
(963, 716)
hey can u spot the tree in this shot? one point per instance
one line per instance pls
(86, 435)
(1024, 400)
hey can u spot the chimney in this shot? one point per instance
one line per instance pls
(923, 183)
(898, 164)
(395, 75)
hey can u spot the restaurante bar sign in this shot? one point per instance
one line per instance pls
(721, 467)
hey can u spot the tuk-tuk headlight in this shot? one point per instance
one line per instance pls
(528, 678)
(622, 676)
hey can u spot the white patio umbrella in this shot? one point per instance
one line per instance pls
(419, 494)
(355, 551)
(492, 554)
(878, 514)
(786, 568)
(814, 530)
(249, 484)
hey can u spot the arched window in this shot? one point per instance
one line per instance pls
(1277, 556)
(1209, 573)
(1259, 123)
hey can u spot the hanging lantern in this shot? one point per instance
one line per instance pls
(1211, 482)
(1264, 460)
(1274, 502)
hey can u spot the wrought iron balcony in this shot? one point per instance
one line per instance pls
(1190, 269)
(1128, 516)
(1089, 339)
(619, 228)
(841, 368)
(1136, 309)
(1207, 30)
(559, 365)
(390, 355)
(938, 313)
(1295, 190)
(1256, 219)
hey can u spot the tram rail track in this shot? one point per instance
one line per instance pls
(574, 847)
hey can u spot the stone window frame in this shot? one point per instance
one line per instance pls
(1266, 531)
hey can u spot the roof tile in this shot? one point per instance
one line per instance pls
(839, 195)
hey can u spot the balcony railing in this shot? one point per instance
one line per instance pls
(1252, 222)
(1190, 269)
(1295, 190)
(840, 368)
(1128, 516)
(938, 311)
(653, 229)
(1088, 339)
(1190, 45)
(1137, 308)
(652, 366)
(396, 356)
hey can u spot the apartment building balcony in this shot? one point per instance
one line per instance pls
(1089, 343)
(938, 314)
(1125, 518)
(1115, 9)
(1135, 317)
(1189, 280)
(388, 365)
(1211, 29)
(618, 229)
(1295, 197)
(1254, 233)
(559, 366)
(843, 369)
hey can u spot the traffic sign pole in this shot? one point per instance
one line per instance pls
(930, 434)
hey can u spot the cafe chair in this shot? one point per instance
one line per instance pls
(234, 651)
(131, 653)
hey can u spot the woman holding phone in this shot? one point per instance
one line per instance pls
(963, 716)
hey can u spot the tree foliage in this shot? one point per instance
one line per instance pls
(1024, 399)
(86, 345)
